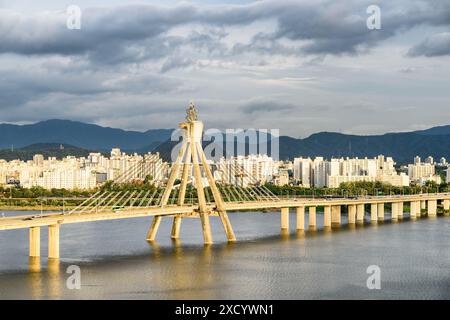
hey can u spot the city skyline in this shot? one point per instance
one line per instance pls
(245, 63)
(90, 172)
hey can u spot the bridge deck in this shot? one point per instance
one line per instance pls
(26, 221)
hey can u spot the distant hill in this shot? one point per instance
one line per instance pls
(46, 149)
(83, 135)
(402, 146)
(441, 130)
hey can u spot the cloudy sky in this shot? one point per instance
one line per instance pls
(300, 66)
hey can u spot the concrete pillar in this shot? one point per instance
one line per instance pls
(360, 211)
(336, 215)
(35, 241)
(418, 209)
(380, 212)
(285, 218)
(374, 212)
(151, 234)
(312, 217)
(432, 208)
(351, 214)
(327, 216)
(394, 211)
(446, 207)
(176, 226)
(300, 218)
(413, 209)
(400, 210)
(53, 241)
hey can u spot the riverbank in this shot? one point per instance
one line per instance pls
(34, 208)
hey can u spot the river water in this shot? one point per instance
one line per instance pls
(117, 263)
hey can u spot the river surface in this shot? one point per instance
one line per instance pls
(117, 263)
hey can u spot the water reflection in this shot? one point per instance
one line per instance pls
(54, 278)
(264, 263)
(34, 277)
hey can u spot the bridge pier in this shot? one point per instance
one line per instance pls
(432, 208)
(360, 211)
(380, 212)
(351, 214)
(374, 212)
(176, 226)
(151, 234)
(301, 218)
(446, 205)
(400, 210)
(418, 209)
(412, 210)
(312, 217)
(336, 216)
(35, 241)
(284, 218)
(327, 216)
(53, 241)
(394, 211)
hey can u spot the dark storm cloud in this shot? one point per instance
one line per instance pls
(137, 32)
(112, 27)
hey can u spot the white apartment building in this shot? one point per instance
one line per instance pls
(81, 173)
(422, 172)
(245, 170)
(303, 171)
(324, 173)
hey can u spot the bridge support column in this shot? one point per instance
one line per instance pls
(360, 211)
(394, 211)
(413, 210)
(327, 216)
(418, 209)
(312, 217)
(53, 241)
(300, 218)
(400, 210)
(446, 205)
(381, 212)
(35, 241)
(284, 218)
(151, 234)
(374, 212)
(336, 216)
(432, 208)
(176, 226)
(352, 214)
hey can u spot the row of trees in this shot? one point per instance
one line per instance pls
(349, 189)
(39, 192)
(58, 197)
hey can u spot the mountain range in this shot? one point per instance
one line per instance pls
(403, 147)
(83, 135)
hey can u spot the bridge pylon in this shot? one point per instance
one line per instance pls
(191, 159)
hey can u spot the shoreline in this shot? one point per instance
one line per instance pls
(34, 208)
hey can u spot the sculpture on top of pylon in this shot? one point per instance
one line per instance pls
(192, 113)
